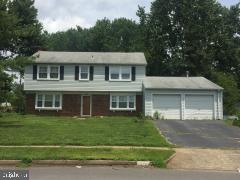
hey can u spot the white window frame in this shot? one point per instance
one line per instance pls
(120, 73)
(53, 103)
(48, 72)
(122, 109)
(80, 70)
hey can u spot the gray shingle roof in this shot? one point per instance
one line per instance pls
(190, 83)
(90, 58)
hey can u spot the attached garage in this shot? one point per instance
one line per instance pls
(183, 98)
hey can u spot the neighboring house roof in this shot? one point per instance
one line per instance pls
(90, 58)
(189, 83)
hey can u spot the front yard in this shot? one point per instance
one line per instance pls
(157, 157)
(38, 130)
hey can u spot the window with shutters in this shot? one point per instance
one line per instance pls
(123, 102)
(48, 72)
(84, 73)
(48, 101)
(120, 73)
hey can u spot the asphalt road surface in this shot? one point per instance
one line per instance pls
(205, 134)
(121, 173)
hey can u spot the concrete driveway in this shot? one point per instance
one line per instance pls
(204, 134)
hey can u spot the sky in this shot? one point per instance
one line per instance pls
(60, 15)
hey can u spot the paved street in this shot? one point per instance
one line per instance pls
(206, 134)
(120, 173)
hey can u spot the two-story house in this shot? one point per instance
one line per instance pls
(86, 84)
(107, 84)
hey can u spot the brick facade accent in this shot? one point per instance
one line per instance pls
(101, 106)
(72, 106)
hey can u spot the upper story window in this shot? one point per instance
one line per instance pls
(84, 72)
(42, 72)
(48, 72)
(120, 73)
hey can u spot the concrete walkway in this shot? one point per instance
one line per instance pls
(205, 159)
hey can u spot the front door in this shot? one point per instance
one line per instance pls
(86, 105)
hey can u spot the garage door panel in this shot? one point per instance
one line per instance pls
(199, 102)
(169, 106)
(199, 107)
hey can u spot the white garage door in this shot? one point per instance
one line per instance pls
(199, 107)
(168, 105)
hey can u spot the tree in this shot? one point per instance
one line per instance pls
(29, 39)
(18, 98)
(8, 24)
(193, 35)
(20, 37)
(119, 35)
(231, 92)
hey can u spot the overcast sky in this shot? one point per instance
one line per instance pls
(59, 15)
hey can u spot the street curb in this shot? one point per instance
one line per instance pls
(78, 163)
(9, 162)
(170, 158)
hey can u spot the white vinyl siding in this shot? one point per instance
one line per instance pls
(123, 102)
(99, 84)
(48, 72)
(48, 101)
(199, 107)
(120, 73)
(169, 106)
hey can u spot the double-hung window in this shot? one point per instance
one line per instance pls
(48, 101)
(48, 72)
(120, 73)
(123, 102)
(54, 72)
(84, 73)
(42, 72)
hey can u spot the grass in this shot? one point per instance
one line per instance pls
(40, 130)
(157, 157)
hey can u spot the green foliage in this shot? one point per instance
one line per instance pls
(121, 35)
(5, 86)
(156, 115)
(231, 92)
(21, 37)
(29, 29)
(18, 98)
(196, 36)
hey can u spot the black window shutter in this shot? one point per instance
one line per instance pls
(106, 73)
(34, 72)
(133, 73)
(61, 72)
(76, 72)
(91, 73)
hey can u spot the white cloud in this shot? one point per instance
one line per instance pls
(64, 23)
(58, 15)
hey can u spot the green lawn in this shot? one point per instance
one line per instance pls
(157, 157)
(233, 123)
(39, 130)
